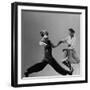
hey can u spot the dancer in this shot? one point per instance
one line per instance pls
(70, 53)
(48, 58)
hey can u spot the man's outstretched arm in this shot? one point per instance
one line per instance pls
(54, 46)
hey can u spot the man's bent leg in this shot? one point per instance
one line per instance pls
(58, 68)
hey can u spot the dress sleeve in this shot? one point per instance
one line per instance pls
(66, 39)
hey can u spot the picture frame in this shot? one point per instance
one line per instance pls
(28, 16)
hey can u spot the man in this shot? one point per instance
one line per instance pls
(48, 58)
(70, 53)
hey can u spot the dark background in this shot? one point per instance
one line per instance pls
(57, 25)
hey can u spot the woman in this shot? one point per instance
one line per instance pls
(70, 53)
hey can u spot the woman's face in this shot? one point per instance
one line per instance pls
(71, 34)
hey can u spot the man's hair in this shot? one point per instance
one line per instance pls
(43, 32)
(71, 30)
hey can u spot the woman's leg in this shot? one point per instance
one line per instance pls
(35, 68)
(75, 57)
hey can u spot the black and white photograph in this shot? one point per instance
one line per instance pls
(49, 44)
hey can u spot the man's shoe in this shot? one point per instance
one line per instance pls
(71, 72)
(26, 74)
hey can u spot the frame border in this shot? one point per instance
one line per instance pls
(14, 43)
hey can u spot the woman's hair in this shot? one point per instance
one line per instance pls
(71, 30)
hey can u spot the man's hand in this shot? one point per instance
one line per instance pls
(42, 43)
(54, 46)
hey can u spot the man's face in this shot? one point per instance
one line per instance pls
(44, 34)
